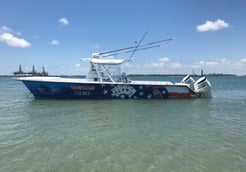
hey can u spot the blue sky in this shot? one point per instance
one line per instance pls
(208, 34)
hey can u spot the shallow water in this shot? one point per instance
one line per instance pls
(124, 135)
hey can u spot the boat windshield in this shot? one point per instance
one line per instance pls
(105, 72)
(113, 71)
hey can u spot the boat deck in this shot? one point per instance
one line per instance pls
(79, 80)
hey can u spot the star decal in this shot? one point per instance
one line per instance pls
(164, 92)
(105, 92)
(122, 96)
(149, 96)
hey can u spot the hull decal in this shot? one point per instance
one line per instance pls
(123, 91)
(106, 91)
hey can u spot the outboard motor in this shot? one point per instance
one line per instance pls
(189, 81)
(203, 87)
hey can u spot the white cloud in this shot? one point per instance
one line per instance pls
(7, 36)
(243, 60)
(208, 63)
(63, 21)
(176, 65)
(222, 62)
(164, 60)
(13, 41)
(212, 26)
(155, 65)
(55, 42)
(5, 29)
(220, 65)
(225, 61)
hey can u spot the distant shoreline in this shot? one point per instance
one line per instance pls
(143, 75)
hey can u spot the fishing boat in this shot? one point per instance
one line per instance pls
(105, 80)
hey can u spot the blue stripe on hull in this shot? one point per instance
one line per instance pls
(61, 90)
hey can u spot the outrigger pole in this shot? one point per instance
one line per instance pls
(133, 49)
(133, 52)
(129, 51)
(128, 48)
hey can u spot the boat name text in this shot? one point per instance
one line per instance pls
(84, 88)
(82, 93)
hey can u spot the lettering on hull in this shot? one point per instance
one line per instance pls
(82, 93)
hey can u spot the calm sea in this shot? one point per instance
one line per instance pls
(124, 135)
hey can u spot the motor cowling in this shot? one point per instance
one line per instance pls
(203, 87)
(189, 81)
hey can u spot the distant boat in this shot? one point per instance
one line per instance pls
(20, 72)
(106, 81)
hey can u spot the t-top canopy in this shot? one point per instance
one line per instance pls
(107, 61)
